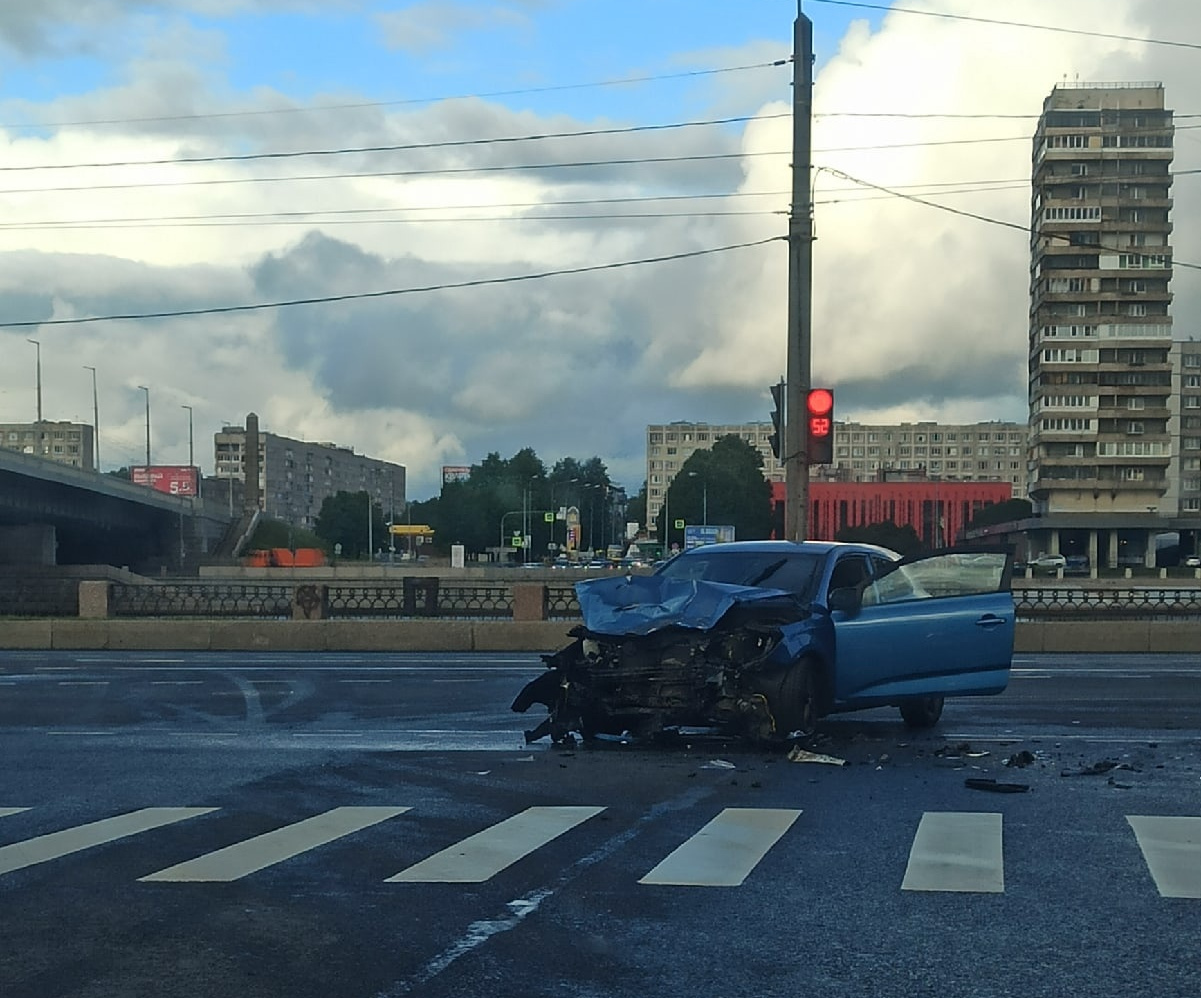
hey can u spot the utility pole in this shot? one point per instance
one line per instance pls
(95, 419)
(800, 285)
(38, 345)
(147, 391)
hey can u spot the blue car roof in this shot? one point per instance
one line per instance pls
(810, 547)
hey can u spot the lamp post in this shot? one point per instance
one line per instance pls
(95, 419)
(704, 496)
(38, 344)
(191, 449)
(147, 391)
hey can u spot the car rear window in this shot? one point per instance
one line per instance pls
(794, 573)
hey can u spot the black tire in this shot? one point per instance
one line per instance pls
(798, 705)
(922, 712)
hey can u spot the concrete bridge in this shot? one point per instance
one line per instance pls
(52, 514)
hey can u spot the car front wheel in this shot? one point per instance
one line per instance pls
(797, 709)
(922, 712)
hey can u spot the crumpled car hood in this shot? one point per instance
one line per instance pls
(643, 604)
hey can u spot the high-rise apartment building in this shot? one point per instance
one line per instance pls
(64, 442)
(973, 452)
(296, 476)
(1100, 373)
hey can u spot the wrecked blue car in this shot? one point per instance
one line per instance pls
(763, 638)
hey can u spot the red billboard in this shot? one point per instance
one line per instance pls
(174, 479)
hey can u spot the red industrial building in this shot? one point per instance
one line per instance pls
(939, 511)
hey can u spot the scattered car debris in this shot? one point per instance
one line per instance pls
(798, 754)
(1021, 760)
(991, 785)
(1098, 768)
(1120, 786)
(719, 764)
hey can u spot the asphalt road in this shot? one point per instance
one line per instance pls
(371, 826)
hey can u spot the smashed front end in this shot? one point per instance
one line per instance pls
(655, 654)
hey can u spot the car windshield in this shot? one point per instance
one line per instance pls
(796, 573)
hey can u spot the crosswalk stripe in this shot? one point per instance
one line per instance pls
(6, 811)
(726, 850)
(46, 847)
(1172, 848)
(483, 855)
(243, 858)
(956, 851)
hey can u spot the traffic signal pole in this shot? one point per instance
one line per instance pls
(800, 286)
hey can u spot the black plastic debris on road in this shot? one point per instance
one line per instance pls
(991, 785)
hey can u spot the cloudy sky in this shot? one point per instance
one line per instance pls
(161, 156)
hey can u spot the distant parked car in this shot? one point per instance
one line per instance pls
(1077, 564)
(1192, 561)
(1051, 562)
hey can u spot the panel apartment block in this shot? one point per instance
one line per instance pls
(1100, 375)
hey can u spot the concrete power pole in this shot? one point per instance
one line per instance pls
(800, 285)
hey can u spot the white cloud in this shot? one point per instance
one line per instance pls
(917, 312)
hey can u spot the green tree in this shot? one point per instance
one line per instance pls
(343, 520)
(903, 540)
(722, 485)
(1001, 512)
(278, 534)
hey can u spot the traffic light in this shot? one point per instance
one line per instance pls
(777, 421)
(819, 426)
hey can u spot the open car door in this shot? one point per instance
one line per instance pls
(936, 624)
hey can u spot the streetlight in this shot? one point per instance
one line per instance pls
(38, 344)
(191, 450)
(147, 391)
(704, 496)
(95, 419)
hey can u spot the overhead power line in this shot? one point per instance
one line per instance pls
(406, 147)
(1026, 229)
(395, 292)
(1013, 24)
(319, 108)
(441, 172)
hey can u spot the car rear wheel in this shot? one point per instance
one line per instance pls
(923, 712)
(797, 709)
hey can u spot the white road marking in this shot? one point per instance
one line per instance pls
(83, 682)
(46, 847)
(725, 851)
(956, 851)
(243, 858)
(1172, 848)
(364, 680)
(6, 811)
(110, 732)
(177, 682)
(483, 855)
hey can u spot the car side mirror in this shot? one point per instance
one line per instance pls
(847, 600)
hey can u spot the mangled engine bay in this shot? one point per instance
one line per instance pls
(731, 674)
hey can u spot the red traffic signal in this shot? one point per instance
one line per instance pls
(819, 426)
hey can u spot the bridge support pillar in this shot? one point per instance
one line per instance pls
(33, 544)
(93, 599)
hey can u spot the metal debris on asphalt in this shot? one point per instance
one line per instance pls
(799, 754)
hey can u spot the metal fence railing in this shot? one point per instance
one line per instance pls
(450, 599)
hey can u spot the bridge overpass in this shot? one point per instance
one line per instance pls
(54, 514)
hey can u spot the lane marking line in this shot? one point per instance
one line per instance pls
(726, 850)
(6, 811)
(70, 840)
(1171, 847)
(484, 854)
(956, 851)
(243, 858)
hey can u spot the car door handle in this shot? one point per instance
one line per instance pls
(990, 620)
